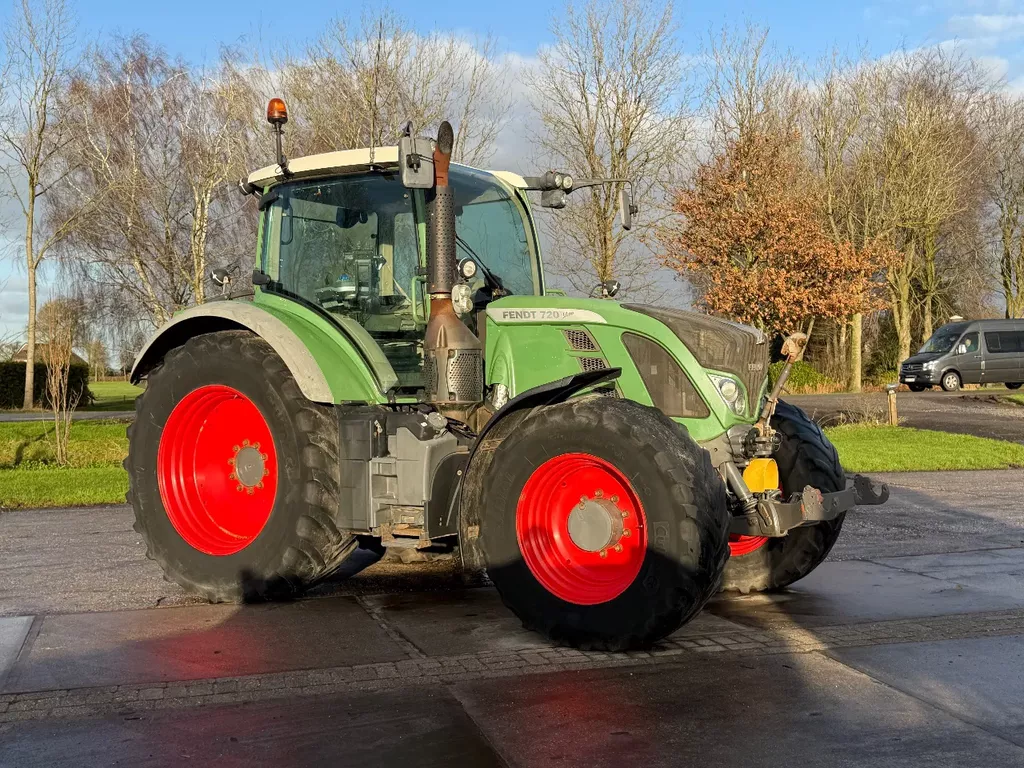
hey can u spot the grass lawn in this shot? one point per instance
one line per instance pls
(112, 396)
(1018, 399)
(30, 478)
(901, 449)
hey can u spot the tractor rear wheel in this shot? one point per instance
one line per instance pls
(603, 525)
(233, 474)
(805, 457)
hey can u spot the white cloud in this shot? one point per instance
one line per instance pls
(997, 27)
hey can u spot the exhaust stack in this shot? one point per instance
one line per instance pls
(453, 369)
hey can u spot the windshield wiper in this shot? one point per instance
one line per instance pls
(494, 279)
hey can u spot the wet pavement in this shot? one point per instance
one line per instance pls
(904, 649)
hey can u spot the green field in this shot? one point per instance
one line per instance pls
(112, 396)
(901, 449)
(29, 476)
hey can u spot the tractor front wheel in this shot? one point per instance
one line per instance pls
(233, 473)
(805, 457)
(603, 525)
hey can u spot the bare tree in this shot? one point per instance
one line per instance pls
(750, 87)
(60, 320)
(610, 95)
(1004, 125)
(163, 145)
(33, 135)
(356, 85)
(931, 156)
(844, 150)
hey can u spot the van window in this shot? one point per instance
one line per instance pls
(970, 341)
(1002, 342)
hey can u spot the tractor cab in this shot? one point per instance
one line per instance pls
(344, 237)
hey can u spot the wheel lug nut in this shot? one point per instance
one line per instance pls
(598, 493)
(618, 547)
(604, 553)
(239, 487)
(614, 499)
(245, 443)
(232, 476)
(627, 533)
(625, 515)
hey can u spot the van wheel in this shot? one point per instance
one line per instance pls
(951, 381)
(1014, 385)
(917, 387)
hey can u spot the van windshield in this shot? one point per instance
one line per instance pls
(941, 342)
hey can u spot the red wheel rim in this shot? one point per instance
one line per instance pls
(217, 470)
(740, 545)
(581, 529)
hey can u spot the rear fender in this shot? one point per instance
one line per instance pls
(334, 374)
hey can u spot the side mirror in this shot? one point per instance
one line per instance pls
(552, 198)
(416, 162)
(610, 288)
(626, 209)
(962, 349)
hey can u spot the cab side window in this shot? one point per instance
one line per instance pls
(970, 343)
(1002, 342)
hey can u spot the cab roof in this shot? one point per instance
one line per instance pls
(347, 161)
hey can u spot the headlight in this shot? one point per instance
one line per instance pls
(567, 182)
(930, 364)
(731, 393)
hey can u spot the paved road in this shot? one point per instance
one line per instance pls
(906, 648)
(979, 413)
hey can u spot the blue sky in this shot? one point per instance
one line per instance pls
(195, 29)
(992, 30)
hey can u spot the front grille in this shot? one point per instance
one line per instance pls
(592, 363)
(670, 388)
(911, 367)
(580, 340)
(720, 345)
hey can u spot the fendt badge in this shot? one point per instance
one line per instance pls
(543, 315)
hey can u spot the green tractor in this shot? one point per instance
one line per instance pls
(399, 376)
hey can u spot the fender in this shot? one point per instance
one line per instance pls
(333, 375)
(497, 428)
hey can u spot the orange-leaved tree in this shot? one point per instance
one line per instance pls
(748, 235)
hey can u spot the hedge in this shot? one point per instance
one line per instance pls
(12, 383)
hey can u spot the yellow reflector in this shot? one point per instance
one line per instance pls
(761, 475)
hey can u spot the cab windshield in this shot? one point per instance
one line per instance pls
(941, 341)
(353, 247)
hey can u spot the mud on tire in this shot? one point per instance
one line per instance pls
(683, 500)
(300, 542)
(805, 457)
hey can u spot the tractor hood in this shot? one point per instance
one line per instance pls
(719, 345)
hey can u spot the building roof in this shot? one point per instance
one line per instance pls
(22, 354)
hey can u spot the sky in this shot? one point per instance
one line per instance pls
(991, 30)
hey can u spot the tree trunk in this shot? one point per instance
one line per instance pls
(856, 335)
(899, 298)
(30, 268)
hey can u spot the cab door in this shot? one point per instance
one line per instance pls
(969, 359)
(1002, 356)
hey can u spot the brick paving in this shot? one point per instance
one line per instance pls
(127, 700)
